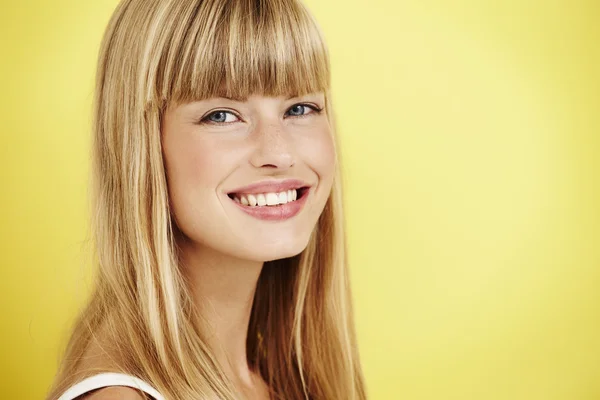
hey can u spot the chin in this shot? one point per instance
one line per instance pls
(275, 251)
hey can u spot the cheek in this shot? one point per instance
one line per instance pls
(195, 167)
(198, 162)
(317, 150)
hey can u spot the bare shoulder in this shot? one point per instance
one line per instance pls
(100, 357)
(113, 393)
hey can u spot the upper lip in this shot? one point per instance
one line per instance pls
(271, 186)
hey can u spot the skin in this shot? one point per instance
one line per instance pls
(223, 249)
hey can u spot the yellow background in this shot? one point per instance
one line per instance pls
(470, 137)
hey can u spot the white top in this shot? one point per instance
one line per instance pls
(109, 379)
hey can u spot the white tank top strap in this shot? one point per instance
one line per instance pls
(107, 379)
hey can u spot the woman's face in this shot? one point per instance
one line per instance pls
(249, 178)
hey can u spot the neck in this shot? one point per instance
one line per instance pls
(223, 290)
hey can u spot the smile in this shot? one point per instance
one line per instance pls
(272, 200)
(268, 199)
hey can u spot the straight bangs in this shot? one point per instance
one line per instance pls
(233, 49)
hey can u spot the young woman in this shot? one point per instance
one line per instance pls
(217, 214)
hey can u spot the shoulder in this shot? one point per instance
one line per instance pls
(113, 393)
(100, 378)
(111, 386)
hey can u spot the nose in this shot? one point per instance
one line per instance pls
(273, 147)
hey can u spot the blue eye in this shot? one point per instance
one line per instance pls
(222, 117)
(297, 110)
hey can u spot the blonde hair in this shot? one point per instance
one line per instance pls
(301, 336)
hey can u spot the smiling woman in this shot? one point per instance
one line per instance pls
(256, 158)
(218, 224)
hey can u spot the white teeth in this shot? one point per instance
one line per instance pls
(283, 198)
(272, 199)
(267, 199)
(261, 200)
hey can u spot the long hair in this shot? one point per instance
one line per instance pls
(301, 336)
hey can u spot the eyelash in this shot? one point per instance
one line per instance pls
(205, 120)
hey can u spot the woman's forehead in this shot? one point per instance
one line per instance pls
(231, 92)
(291, 94)
(253, 97)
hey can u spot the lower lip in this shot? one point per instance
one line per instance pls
(275, 213)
